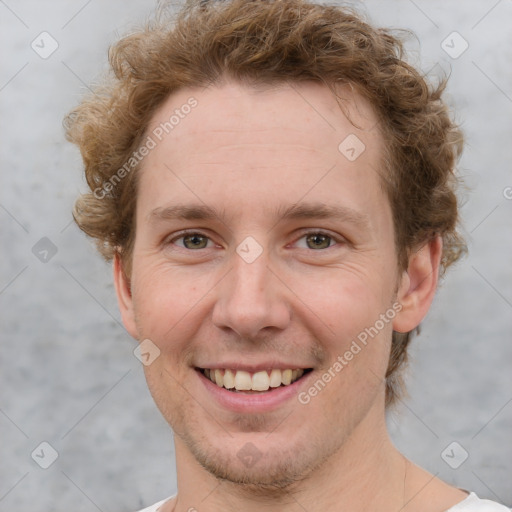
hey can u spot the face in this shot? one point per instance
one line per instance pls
(264, 251)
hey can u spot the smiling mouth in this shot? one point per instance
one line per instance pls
(239, 381)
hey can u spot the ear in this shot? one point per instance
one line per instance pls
(418, 285)
(124, 296)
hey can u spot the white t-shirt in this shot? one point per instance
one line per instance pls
(471, 504)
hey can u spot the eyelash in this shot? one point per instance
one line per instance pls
(337, 241)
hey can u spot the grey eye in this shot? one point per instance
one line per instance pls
(193, 241)
(318, 241)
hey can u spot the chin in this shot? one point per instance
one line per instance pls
(261, 463)
(275, 470)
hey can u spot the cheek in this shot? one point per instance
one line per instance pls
(353, 320)
(164, 299)
(172, 304)
(344, 300)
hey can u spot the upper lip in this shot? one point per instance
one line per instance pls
(253, 367)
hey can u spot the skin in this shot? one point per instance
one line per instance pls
(248, 152)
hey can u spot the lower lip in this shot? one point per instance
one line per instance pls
(253, 402)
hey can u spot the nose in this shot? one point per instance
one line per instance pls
(251, 298)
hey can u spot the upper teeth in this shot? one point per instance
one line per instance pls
(259, 381)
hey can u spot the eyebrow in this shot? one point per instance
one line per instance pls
(300, 211)
(324, 211)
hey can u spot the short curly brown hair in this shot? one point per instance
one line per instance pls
(265, 42)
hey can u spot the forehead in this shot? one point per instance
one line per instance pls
(308, 109)
(270, 143)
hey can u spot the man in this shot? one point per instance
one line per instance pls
(275, 187)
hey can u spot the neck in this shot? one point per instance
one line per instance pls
(366, 473)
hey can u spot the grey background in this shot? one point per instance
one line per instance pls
(68, 373)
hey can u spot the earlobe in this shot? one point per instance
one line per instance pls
(418, 285)
(124, 296)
